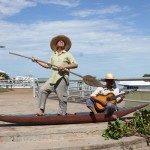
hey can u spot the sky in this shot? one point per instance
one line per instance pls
(108, 36)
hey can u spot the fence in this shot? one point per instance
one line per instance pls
(16, 84)
(77, 88)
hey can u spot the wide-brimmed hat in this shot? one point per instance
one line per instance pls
(109, 76)
(63, 38)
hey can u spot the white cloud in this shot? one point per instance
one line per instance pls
(102, 11)
(113, 9)
(11, 7)
(69, 3)
(96, 37)
(84, 13)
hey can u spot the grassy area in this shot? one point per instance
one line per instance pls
(4, 90)
(141, 96)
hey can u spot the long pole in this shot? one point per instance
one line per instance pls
(44, 62)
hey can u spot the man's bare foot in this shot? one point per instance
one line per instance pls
(40, 113)
(114, 117)
(93, 110)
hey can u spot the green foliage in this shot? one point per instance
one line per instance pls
(4, 75)
(139, 125)
(146, 75)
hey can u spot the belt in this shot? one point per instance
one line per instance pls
(52, 84)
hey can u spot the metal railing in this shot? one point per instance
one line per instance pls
(77, 88)
(16, 84)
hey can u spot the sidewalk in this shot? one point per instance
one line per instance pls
(62, 137)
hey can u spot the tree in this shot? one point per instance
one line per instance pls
(146, 75)
(4, 76)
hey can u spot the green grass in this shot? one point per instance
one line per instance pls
(141, 96)
(4, 90)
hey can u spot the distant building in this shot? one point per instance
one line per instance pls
(19, 82)
(25, 78)
(135, 84)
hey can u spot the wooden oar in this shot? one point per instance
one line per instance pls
(88, 79)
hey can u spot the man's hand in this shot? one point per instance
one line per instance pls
(33, 59)
(61, 68)
(122, 96)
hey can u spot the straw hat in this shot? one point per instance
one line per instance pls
(63, 38)
(109, 76)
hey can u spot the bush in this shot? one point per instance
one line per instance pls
(139, 125)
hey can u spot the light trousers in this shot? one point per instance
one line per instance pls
(60, 88)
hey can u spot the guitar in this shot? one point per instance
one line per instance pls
(109, 97)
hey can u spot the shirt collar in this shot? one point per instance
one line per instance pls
(64, 51)
(108, 89)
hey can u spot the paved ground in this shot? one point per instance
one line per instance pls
(68, 137)
(22, 101)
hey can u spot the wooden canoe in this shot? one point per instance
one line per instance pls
(53, 119)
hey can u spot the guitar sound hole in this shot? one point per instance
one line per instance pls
(108, 98)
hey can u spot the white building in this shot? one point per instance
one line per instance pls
(135, 84)
(25, 78)
(19, 82)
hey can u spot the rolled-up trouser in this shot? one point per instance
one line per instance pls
(89, 103)
(110, 109)
(60, 88)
